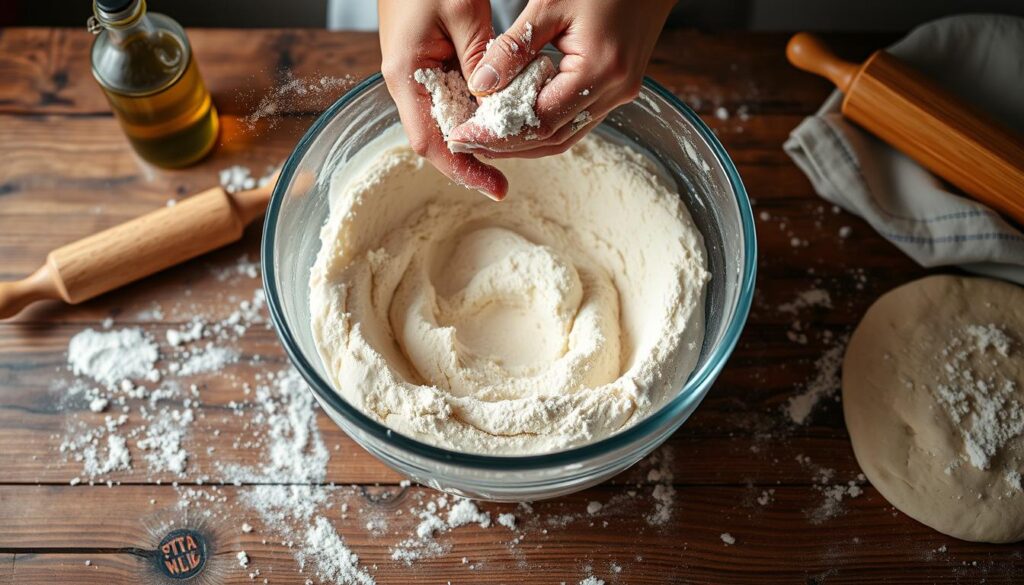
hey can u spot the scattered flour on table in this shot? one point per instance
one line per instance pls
(664, 494)
(438, 516)
(335, 562)
(164, 438)
(134, 377)
(507, 520)
(833, 493)
(243, 267)
(823, 385)
(812, 297)
(240, 178)
(727, 539)
(464, 511)
(208, 359)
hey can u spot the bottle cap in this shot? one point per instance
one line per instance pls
(112, 6)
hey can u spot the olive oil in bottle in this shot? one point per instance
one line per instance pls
(144, 64)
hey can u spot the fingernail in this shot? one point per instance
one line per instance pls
(490, 196)
(485, 78)
(460, 147)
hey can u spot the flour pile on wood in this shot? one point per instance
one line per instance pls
(112, 356)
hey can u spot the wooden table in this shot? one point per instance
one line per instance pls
(67, 171)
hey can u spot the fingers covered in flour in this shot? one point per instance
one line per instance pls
(425, 139)
(513, 50)
(427, 35)
(564, 106)
(573, 137)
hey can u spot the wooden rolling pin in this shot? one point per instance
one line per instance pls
(143, 246)
(919, 118)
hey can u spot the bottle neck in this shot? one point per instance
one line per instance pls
(122, 24)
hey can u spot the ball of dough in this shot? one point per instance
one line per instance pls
(933, 396)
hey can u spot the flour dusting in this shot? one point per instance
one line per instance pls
(984, 406)
(824, 384)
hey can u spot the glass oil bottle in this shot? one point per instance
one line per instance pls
(144, 64)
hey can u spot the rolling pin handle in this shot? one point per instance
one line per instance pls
(15, 296)
(808, 52)
(252, 204)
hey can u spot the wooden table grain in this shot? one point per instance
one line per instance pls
(67, 171)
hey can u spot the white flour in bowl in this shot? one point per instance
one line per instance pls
(566, 313)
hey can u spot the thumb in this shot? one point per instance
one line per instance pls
(513, 50)
(470, 31)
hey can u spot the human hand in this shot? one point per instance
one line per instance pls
(606, 44)
(426, 34)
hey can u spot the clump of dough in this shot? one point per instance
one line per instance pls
(933, 395)
(502, 114)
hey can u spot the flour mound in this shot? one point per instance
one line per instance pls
(111, 356)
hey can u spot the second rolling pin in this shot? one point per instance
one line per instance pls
(143, 246)
(927, 123)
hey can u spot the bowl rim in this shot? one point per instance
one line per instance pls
(692, 390)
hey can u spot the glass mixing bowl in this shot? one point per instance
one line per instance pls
(658, 125)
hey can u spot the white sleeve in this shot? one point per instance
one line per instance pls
(362, 14)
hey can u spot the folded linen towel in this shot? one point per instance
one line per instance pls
(980, 58)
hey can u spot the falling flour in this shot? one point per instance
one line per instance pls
(313, 93)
